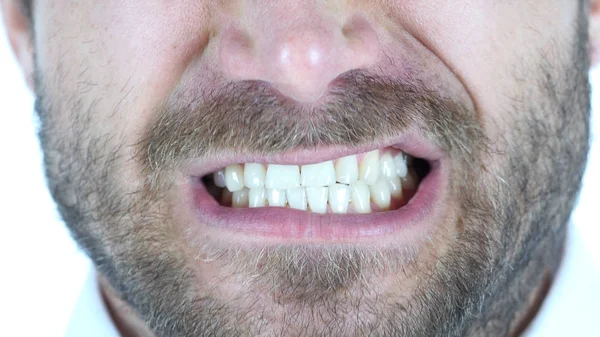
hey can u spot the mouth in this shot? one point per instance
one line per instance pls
(358, 194)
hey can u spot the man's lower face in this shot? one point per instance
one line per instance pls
(387, 209)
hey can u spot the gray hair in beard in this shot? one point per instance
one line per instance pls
(360, 109)
(250, 116)
(511, 231)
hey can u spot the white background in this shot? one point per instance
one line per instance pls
(41, 267)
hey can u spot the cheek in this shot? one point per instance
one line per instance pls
(494, 47)
(114, 62)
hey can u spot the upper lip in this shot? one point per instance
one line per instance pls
(412, 144)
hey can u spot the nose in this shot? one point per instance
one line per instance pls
(298, 50)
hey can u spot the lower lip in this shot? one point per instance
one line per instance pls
(291, 224)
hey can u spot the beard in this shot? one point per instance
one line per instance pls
(513, 197)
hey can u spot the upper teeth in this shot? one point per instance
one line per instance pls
(336, 183)
(369, 168)
(282, 176)
(346, 169)
(322, 174)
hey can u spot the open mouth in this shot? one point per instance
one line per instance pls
(376, 181)
(330, 194)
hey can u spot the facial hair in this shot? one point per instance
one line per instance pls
(512, 215)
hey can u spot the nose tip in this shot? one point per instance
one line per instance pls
(302, 67)
(300, 61)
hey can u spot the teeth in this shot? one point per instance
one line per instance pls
(346, 169)
(254, 175)
(336, 184)
(276, 197)
(296, 198)
(339, 197)
(317, 199)
(257, 197)
(401, 165)
(360, 196)
(388, 167)
(380, 194)
(234, 177)
(240, 198)
(282, 176)
(395, 187)
(322, 174)
(369, 168)
(219, 178)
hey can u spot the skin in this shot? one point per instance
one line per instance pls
(505, 83)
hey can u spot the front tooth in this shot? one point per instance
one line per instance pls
(321, 174)
(276, 197)
(369, 168)
(254, 175)
(240, 198)
(219, 178)
(388, 168)
(234, 177)
(395, 187)
(346, 169)
(282, 176)
(257, 197)
(380, 193)
(339, 196)
(401, 165)
(296, 198)
(317, 199)
(360, 195)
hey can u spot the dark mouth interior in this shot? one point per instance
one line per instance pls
(422, 168)
(211, 188)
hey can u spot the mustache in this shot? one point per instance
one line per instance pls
(251, 116)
